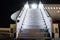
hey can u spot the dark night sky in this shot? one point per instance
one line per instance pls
(7, 7)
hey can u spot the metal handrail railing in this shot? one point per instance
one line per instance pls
(43, 18)
(23, 20)
(47, 21)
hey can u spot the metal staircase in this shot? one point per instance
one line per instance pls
(34, 26)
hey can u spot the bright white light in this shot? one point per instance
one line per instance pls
(48, 7)
(56, 7)
(41, 5)
(26, 5)
(34, 6)
(53, 7)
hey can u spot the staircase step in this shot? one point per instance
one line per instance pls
(34, 30)
(29, 32)
(34, 37)
(33, 26)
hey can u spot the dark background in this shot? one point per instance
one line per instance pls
(7, 7)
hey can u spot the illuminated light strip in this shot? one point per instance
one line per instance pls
(52, 7)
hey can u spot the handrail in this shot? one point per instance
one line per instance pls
(21, 13)
(47, 21)
(48, 15)
(21, 16)
(23, 20)
(43, 18)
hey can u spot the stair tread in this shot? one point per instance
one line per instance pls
(36, 37)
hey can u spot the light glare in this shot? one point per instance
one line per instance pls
(26, 5)
(40, 6)
(34, 6)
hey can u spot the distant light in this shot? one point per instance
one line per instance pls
(48, 7)
(56, 7)
(53, 7)
(34, 6)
